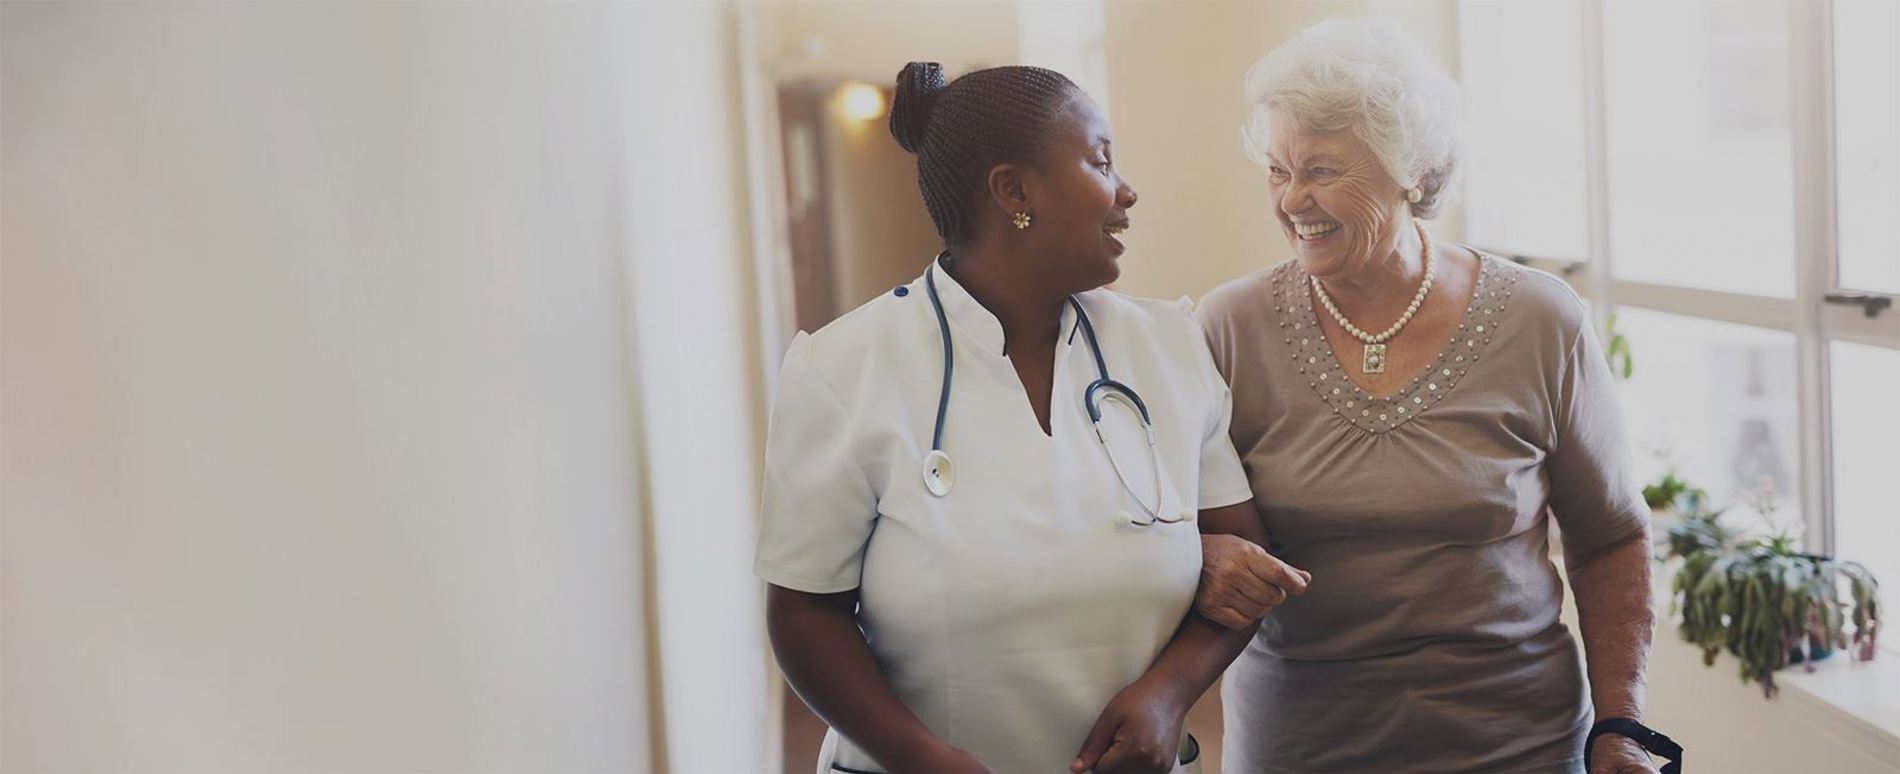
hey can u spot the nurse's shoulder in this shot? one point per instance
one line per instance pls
(1166, 327)
(866, 348)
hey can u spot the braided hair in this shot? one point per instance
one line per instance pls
(962, 130)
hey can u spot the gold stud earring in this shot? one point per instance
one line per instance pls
(1021, 219)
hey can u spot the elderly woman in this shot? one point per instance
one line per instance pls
(1410, 414)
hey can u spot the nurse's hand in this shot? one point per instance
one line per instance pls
(1139, 731)
(1241, 583)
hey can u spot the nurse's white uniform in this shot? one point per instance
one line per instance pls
(1008, 613)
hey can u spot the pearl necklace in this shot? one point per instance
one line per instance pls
(1373, 361)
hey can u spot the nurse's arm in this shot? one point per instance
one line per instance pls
(826, 660)
(1140, 729)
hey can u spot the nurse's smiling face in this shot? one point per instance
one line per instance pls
(1078, 201)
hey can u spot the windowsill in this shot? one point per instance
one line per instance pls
(1861, 699)
(1858, 702)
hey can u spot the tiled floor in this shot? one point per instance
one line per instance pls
(804, 732)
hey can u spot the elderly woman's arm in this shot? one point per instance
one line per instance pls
(1612, 589)
(1606, 536)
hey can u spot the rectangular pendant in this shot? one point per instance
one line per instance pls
(1374, 362)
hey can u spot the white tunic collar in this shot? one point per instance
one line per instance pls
(971, 320)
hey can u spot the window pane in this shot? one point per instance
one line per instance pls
(1700, 166)
(1716, 403)
(1866, 429)
(1524, 145)
(1867, 153)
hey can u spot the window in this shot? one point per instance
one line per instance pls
(1866, 427)
(1524, 139)
(1701, 188)
(1717, 403)
(1723, 178)
(1866, 123)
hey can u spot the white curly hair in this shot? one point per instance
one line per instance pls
(1368, 77)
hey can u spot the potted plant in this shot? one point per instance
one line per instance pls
(1765, 602)
(1671, 493)
(1617, 349)
(1762, 600)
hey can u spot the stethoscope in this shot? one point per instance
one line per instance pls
(940, 475)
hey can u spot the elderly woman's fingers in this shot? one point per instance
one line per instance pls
(1275, 597)
(1233, 618)
(1243, 619)
(1216, 594)
(1224, 616)
(1279, 574)
(1245, 584)
(1242, 583)
(1227, 569)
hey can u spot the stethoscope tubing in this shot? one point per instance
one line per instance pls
(949, 359)
(1103, 384)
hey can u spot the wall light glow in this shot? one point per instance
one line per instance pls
(863, 102)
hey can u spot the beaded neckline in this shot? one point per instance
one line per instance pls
(1315, 362)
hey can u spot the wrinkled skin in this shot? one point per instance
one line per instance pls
(1333, 177)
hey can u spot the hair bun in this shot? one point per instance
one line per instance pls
(918, 85)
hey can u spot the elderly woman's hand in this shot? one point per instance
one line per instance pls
(1241, 582)
(1619, 755)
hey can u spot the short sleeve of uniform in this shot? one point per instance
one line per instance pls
(1592, 493)
(818, 507)
(1223, 480)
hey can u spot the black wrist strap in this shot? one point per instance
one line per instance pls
(1654, 742)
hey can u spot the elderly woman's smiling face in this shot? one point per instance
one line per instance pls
(1335, 202)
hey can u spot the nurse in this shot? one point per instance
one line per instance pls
(984, 490)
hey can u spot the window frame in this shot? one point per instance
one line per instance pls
(1820, 312)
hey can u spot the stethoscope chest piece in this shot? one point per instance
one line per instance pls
(939, 474)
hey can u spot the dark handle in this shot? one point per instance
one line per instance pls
(1870, 303)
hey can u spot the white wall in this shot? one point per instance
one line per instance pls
(872, 39)
(1066, 36)
(700, 384)
(1175, 74)
(881, 235)
(321, 430)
